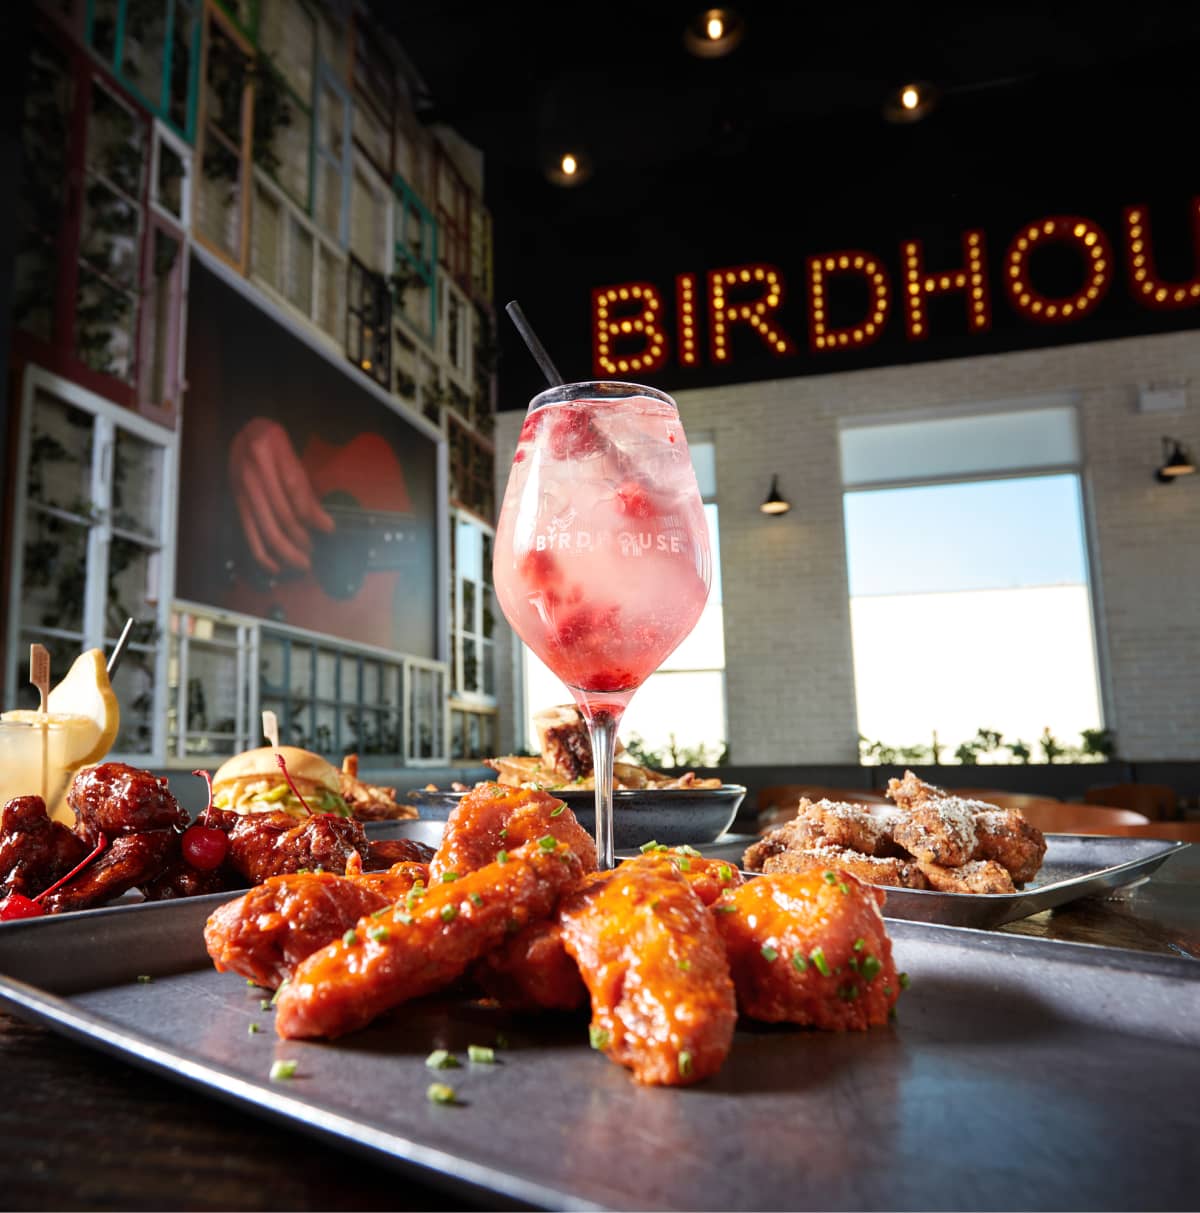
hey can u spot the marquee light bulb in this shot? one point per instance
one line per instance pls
(715, 28)
(569, 165)
(910, 98)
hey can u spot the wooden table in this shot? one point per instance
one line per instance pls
(80, 1130)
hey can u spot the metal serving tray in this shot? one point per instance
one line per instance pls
(1019, 1074)
(1075, 866)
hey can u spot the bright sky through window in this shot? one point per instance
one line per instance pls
(970, 608)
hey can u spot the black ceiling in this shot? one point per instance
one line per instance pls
(1044, 106)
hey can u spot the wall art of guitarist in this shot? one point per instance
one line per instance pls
(303, 498)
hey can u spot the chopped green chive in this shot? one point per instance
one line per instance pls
(381, 913)
(859, 944)
(682, 862)
(447, 877)
(647, 847)
(440, 1092)
(830, 877)
(685, 966)
(483, 1054)
(278, 991)
(501, 1041)
(685, 1063)
(377, 934)
(442, 1059)
(887, 991)
(251, 982)
(852, 964)
(725, 872)
(449, 913)
(905, 981)
(598, 1038)
(769, 953)
(252, 1029)
(844, 887)
(557, 812)
(870, 967)
(848, 993)
(725, 907)
(350, 938)
(817, 956)
(548, 842)
(476, 899)
(502, 858)
(404, 918)
(798, 962)
(281, 1070)
(144, 979)
(264, 1004)
(504, 832)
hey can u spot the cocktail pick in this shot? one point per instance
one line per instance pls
(39, 672)
(39, 676)
(118, 652)
(270, 727)
(535, 346)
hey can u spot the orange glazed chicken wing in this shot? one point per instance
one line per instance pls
(662, 1001)
(424, 942)
(809, 948)
(493, 818)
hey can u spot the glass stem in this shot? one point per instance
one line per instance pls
(602, 727)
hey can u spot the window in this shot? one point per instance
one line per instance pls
(454, 218)
(678, 713)
(331, 201)
(454, 332)
(414, 276)
(223, 142)
(92, 511)
(473, 732)
(370, 217)
(474, 608)
(472, 471)
(970, 601)
(328, 695)
(152, 47)
(283, 90)
(369, 322)
(375, 96)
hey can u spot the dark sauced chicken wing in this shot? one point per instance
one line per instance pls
(662, 1000)
(492, 818)
(130, 861)
(809, 948)
(407, 953)
(384, 852)
(114, 798)
(271, 844)
(34, 850)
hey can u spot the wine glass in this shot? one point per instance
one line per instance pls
(601, 562)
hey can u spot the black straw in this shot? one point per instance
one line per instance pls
(119, 649)
(535, 346)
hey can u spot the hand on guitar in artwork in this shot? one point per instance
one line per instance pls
(329, 534)
(275, 499)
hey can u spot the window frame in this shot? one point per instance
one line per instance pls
(109, 418)
(343, 161)
(409, 207)
(462, 695)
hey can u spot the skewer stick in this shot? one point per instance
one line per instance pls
(270, 727)
(39, 676)
(119, 648)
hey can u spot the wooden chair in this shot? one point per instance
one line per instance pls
(1158, 801)
(1066, 817)
(779, 803)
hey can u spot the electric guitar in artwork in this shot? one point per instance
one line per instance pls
(360, 567)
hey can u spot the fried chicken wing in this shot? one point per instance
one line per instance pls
(407, 953)
(938, 831)
(383, 852)
(114, 798)
(130, 861)
(911, 790)
(270, 844)
(532, 971)
(493, 817)
(975, 876)
(709, 878)
(266, 933)
(35, 851)
(662, 1000)
(773, 856)
(1007, 838)
(809, 948)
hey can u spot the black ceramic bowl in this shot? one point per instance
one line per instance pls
(668, 815)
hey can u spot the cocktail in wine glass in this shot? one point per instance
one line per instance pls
(602, 562)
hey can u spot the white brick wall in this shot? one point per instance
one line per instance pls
(787, 622)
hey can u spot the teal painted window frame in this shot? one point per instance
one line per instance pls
(326, 77)
(161, 108)
(408, 204)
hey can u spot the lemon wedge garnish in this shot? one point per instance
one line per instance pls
(84, 706)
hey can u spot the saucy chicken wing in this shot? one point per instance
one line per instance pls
(493, 818)
(532, 971)
(809, 948)
(271, 844)
(114, 798)
(663, 1003)
(34, 850)
(129, 861)
(423, 943)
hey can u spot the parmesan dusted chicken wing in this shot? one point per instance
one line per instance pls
(423, 943)
(662, 1000)
(809, 948)
(492, 818)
